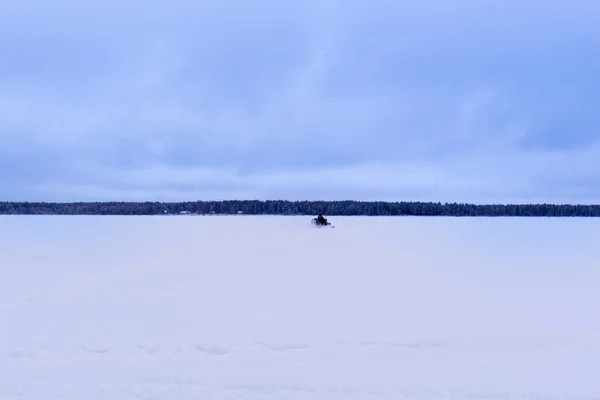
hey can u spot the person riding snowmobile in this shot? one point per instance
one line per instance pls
(321, 219)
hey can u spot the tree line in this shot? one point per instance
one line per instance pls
(283, 207)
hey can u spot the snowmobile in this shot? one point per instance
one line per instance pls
(321, 221)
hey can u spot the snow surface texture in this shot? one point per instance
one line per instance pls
(273, 308)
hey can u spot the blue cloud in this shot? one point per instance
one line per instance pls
(461, 101)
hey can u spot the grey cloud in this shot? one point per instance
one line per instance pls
(294, 86)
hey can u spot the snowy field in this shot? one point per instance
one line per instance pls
(247, 307)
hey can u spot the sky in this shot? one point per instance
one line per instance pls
(466, 100)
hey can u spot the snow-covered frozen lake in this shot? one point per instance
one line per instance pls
(247, 307)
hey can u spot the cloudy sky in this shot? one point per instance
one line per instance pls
(445, 100)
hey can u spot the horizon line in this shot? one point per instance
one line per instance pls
(430, 202)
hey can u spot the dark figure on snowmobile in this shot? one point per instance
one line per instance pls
(321, 219)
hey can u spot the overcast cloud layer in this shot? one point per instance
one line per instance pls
(466, 100)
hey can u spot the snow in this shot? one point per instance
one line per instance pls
(271, 307)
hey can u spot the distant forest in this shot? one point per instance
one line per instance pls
(281, 207)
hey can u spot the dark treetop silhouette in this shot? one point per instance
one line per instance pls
(282, 207)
